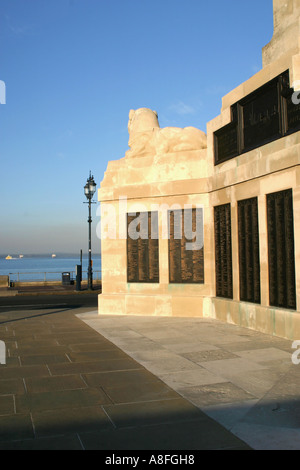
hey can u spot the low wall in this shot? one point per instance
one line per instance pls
(273, 321)
(3, 281)
(34, 283)
(49, 283)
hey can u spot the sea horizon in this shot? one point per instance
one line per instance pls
(42, 266)
(49, 254)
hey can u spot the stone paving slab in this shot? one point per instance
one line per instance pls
(192, 435)
(65, 386)
(243, 379)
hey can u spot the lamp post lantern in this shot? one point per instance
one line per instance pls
(89, 191)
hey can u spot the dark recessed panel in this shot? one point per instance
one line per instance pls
(226, 143)
(249, 265)
(263, 116)
(281, 255)
(223, 253)
(142, 247)
(186, 257)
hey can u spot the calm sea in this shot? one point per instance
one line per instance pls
(40, 268)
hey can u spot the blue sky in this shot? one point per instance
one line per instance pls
(74, 68)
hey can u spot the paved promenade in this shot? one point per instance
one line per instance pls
(75, 380)
(243, 379)
(65, 386)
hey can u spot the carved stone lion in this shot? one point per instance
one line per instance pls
(147, 138)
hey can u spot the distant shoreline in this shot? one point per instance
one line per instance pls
(49, 255)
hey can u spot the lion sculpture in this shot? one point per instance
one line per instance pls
(147, 138)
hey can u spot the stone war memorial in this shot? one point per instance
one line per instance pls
(207, 224)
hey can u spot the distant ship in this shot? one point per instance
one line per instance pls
(53, 256)
(21, 256)
(8, 257)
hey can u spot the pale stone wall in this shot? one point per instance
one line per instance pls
(285, 40)
(4, 281)
(171, 165)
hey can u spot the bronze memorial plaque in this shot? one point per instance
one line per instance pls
(280, 221)
(186, 256)
(142, 247)
(267, 114)
(223, 251)
(249, 262)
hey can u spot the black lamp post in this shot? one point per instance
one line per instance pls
(89, 191)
